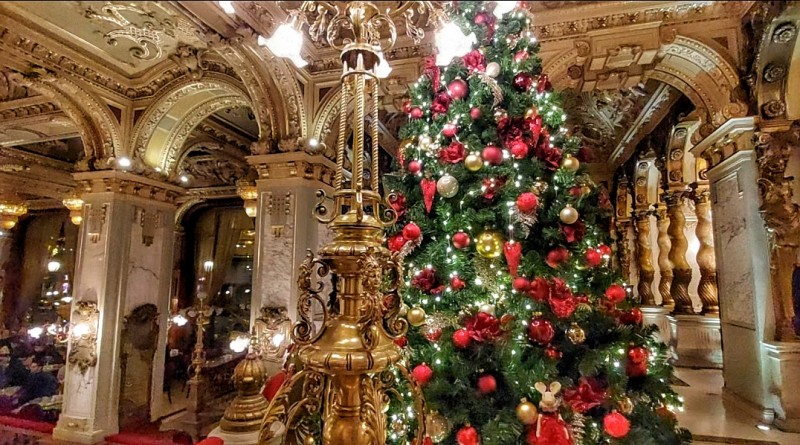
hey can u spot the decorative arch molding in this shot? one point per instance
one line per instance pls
(777, 87)
(326, 117)
(184, 208)
(97, 126)
(165, 120)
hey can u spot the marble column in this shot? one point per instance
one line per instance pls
(644, 258)
(124, 260)
(681, 270)
(706, 261)
(664, 264)
(286, 228)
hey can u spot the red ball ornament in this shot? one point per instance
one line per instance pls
(457, 283)
(458, 89)
(402, 341)
(468, 435)
(492, 154)
(406, 107)
(396, 242)
(615, 294)
(521, 284)
(632, 317)
(527, 202)
(552, 353)
(461, 240)
(521, 56)
(519, 149)
(543, 83)
(593, 258)
(557, 256)
(422, 373)
(414, 167)
(603, 249)
(522, 81)
(416, 113)
(411, 231)
(433, 335)
(541, 331)
(461, 338)
(637, 361)
(487, 384)
(616, 425)
(475, 113)
(427, 441)
(449, 130)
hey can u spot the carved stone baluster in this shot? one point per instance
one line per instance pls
(706, 261)
(623, 249)
(644, 257)
(681, 270)
(664, 264)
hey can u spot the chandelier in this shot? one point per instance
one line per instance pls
(10, 211)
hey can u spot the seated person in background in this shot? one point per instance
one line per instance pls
(40, 384)
(13, 371)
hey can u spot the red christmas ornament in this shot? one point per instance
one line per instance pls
(632, 316)
(411, 231)
(527, 202)
(615, 294)
(406, 107)
(396, 242)
(449, 130)
(457, 283)
(513, 253)
(543, 83)
(593, 258)
(433, 335)
(535, 126)
(521, 284)
(483, 327)
(521, 56)
(416, 113)
(557, 256)
(541, 331)
(616, 425)
(422, 373)
(522, 81)
(461, 240)
(492, 154)
(428, 191)
(636, 365)
(398, 203)
(458, 89)
(551, 429)
(552, 353)
(506, 320)
(487, 384)
(402, 341)
(575, 192)
(468, 435)
(414, 167)
(461, 338)
(539, 289)
(603, 249)
(475, 113)
(519, 149)
(427, 441)
(491, 186)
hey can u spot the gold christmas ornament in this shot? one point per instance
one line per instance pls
(570, 163)
(568, 215)
(488, 308)
(436, 426)
(416, 316)
(493, 69)
(489, 244)
(585, 189)
(625, 405)
(447, 186)
(539, 187)
(473, 162)
(576, 334)
(425, 141)
(527, 412)
(309, 440)
(398, 426)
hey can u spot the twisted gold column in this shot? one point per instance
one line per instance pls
(644, 258)
(706, 261)
(681, 270)
(624, 251)
(664, 264)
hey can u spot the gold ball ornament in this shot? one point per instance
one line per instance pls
(585, 189)
(447, 186)
(527, 412)
(489, 244)
(425, 141)
(576, 334)
(473, 162)
(539, 186)
(570, 163)
(436, 426)
(625, 405)
(416, 316)
(569, 215)
(487, 308)
(309, 440)
(493, 69)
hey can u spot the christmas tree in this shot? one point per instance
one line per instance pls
(522, 331)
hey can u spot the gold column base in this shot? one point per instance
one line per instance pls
(248, 408)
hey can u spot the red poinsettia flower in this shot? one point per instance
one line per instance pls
(452, 154)
(573, 233)
(588, 394)
(550, 156)
(511, 130)
(562, 301)
(425, 280)
(484, 18)
(539, 289)
(475, 61)
(483, 327)
(492, 186)
(441, 103)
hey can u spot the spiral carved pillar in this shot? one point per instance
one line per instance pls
(644, 258)
(622, 248)
(681, 270)
(664, 264)
(706, 261)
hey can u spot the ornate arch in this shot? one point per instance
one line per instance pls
(326, 118)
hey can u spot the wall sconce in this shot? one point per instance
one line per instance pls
(75, 206)
(83, 336)
(273, 330)
(10, 212)
(249, 194)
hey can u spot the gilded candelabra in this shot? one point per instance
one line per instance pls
(346, 365)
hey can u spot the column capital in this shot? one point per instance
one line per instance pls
(294, 165)
(124, 183)
(728, 139)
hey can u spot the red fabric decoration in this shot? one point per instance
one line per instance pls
(433, 335)
(521, 284)
(522, 81)
(406, 106)
(550, 156)
(541, 331)
(562, 302)
(475, 113)
(616, 425)
(521, 56)
(411, 231)
(636, 365)
(461, 338)
(457, 283)
(396, 242)
(539, 289)
(422, 373)
(588, 394)
(487, 384)
(543, 83)
(527, 202)
(458, 89)
(460, 240)
(551, 429)
(519, 149)
(425, 280)
(573, 233)
(414, 167)
(427, 441)
(535, 127)
(416, 113)
(631, 317)
(468, 435)
(274, 384)
(593, 258)
(402, 341)
(211, 441)
(441, 103)
(557, 256)
(513, 253)
(428, 191)
(485, 18)
(603, 249)
(491, 186)
(453, 154)
(575, 192)
(432, 71)
(552, 352)
(483, 327)
(615, 294)
(397, 201)
(474, 61)
(449, 130)
(492, 154)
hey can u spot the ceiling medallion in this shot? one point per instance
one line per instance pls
(784, 33)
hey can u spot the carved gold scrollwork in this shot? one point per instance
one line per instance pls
(419, 403)
(304, 330)
(283, 413)
(321, 210)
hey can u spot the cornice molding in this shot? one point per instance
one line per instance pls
(112, 181)
(289, 165)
